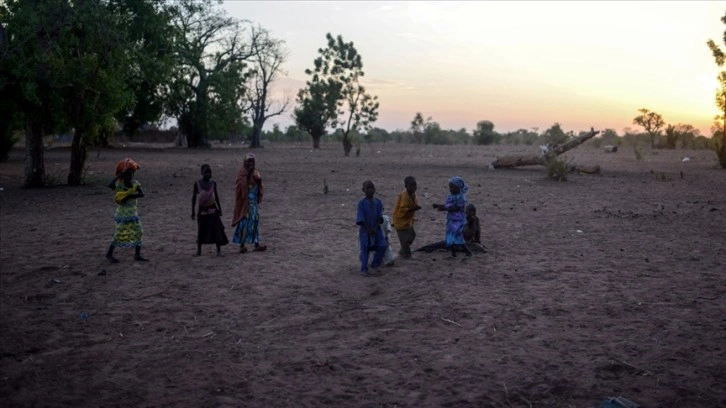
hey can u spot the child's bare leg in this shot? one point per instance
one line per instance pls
(199, 250)
(109, 255)
(466, 250)
(137, 256)
(219, 250)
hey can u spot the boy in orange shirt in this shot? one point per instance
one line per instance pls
(403, 216)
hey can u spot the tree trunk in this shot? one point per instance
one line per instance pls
(79, 153)
(316, 141)
(256, 133)
(34, 160)
(721, 153)
(517, 161)
(347, 146)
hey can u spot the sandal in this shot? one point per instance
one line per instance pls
(260, 248)
(242, 250)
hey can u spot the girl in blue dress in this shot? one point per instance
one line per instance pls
(455, 207)
(248, 190)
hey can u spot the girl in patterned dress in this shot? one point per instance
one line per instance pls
(128, 227)
(210, 229)
(248, 192)
(455, 206)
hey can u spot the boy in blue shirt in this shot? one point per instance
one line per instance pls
(370, 233)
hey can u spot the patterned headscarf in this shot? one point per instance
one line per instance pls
(459, 182)
(126, 164)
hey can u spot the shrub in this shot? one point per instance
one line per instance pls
(557, 169)
(7, 141)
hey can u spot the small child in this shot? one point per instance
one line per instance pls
(127, 190)
(370, 234)
(455, 217)
(403, 216)
(472, 230)
(210, 229)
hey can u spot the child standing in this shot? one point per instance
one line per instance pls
(248, 191)
(210, 229)
(370, 235)
(403, 216)
(455, 216)
(128, 226)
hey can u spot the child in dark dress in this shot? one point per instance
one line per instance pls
(208, 214)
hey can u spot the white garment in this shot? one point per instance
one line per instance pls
(389, 257)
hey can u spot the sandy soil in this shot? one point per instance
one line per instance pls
(600, 286)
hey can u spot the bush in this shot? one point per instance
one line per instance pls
(7, 141)
(557, 169)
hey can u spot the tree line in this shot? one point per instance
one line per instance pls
(90, 67)
(94, 67)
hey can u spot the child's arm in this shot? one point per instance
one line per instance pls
(194, 199)
(457, 206)
(216, 198)
(112, 184)
(415, 206)
(138, 194)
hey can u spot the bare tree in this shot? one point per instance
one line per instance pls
(268, 55)
(212, 53)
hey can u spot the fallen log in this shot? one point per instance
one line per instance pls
(541, 160)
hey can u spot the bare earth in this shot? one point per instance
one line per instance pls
(601, 286)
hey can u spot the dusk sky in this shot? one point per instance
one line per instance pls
(517, 64)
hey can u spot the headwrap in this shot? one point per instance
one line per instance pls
(459, 182)
(124, 165)
(249, 156)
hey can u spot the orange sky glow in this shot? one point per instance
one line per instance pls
(517, 64)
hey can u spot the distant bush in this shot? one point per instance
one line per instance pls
(7, 141)
(557, 169)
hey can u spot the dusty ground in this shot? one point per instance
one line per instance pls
(599, 286)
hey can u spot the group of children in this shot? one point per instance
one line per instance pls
(462, 223)
(206, 209)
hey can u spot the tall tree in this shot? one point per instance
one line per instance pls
(268, 56)
(92, 74)
(317, 108)
(417, 128)
(719, 130)
(32, 28)
(339, 67)
(212, 50)
(652, 123)
(151, 43)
